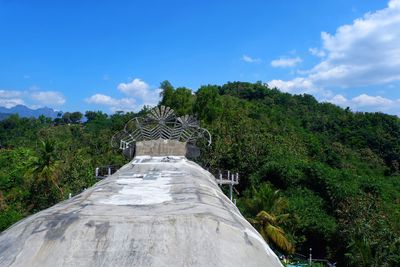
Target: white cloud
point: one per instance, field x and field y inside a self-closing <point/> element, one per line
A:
<point x="9" y="93"/>
<point x="141" y="91"/>
<point x="138" y="94"/>
<point x="124" y="104"/>
<point x="306" y="85"/>
<point x="32" y="97"/>
<point x="363" y="101"/>
<point x="363" y="53"/>
<point x="285" y="62"/>
<point x="11" y="102"/>
<point x="367" y="100"/>
<point x="250" y="59"/>
<point x="338" y="100"/>
<point x="136" y="87"/>
<point x="49" y="98"/>
<point x="394" y="4"/>
<point x="102" y="100"/>
<point x="317" y="52"/>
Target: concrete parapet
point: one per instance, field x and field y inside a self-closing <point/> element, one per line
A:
<point x="160" y="147"/>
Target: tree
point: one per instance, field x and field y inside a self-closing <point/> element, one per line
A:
<point x="366" y="226"/>
<point x="45" y="167"/>
<point x="93" y="115"/>
<point x="76" y="117"/>
<point x="182" y="101"/>
<point x="66" y="117"/>
<point x="270" y="207"/>
<point x="337" y="169"/>
<point x="267" y="225"/>
<point x="208" y="104"/>
<point x="310" y="223"/>
<point x="167" y="92"/>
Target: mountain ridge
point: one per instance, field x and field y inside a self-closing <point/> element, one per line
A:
<point x="24" y="111"/>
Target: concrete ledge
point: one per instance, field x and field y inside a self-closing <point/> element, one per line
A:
<point x="160" y="147"/>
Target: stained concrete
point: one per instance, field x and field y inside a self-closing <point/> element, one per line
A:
<point x="160" y="147"/>
<point x="154" y="211"/>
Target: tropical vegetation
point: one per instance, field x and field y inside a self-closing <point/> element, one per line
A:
<point x="313" y="175"/>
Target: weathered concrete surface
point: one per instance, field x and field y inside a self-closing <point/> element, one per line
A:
<point x="160" y="147"/>
<point x="155" y="211"/>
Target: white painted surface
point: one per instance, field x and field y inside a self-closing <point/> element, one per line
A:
<point x="260" y="240"/>
<point x="142" y="191"/>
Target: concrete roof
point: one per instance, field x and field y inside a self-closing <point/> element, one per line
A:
<point x="155" y="211"/>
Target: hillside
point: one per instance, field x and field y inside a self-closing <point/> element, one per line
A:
<point x="327" y="177"/>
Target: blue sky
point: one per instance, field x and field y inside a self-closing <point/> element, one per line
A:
<point x="112" y="55"/>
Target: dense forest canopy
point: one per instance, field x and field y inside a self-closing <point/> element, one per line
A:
<point x="313" y="175"/>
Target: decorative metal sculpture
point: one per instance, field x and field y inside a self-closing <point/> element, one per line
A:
<point x="160" y="123"/>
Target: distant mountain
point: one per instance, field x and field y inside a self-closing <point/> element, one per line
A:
<point x="24" y="111"/>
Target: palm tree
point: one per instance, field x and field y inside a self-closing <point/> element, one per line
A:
<point x="269" y="207"/>
<point x="45" y="167"/>
<point x="267" y="225"/>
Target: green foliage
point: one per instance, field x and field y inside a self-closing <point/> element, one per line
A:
<point x="166" y="93"/>
<point x="182" y="101"/>
<point x="311" y="222"/>
<point x="336" y="171"/>
<point x="208" y="104"/>
<point x="45" y="168"/>
<point x="266" y="210"/>
<point x="42" y="162"/>
<point x="8" y="217"/>
<point x="368" y="230"/>
<point x="74" y="117"/>
<point x="317" y="154"/>
<point x="264" y="197"/>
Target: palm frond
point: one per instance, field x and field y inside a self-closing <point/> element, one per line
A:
<point x="277" y="236"/>
<point x="266" y="217"/>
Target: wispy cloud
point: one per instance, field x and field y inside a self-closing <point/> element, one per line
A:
<point x="124" y="104"/>
<point x="285" y="62"/>
<point x="11" y="102"/>
<point x="316" y="52"/>
<point x="367" y="100"/>
<point x="33" y="97"/>
<point x="362" y="100"/>
<point x="137" y="92"/>
<point x="363" y="53"/>
<point x="249" y="59"/>
<point x="10" y="93"/>
<point x="372" y="103"/>
<point x="49" y="98"/>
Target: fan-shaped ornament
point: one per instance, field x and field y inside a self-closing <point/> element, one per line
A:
<point x="160" y="123"/>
